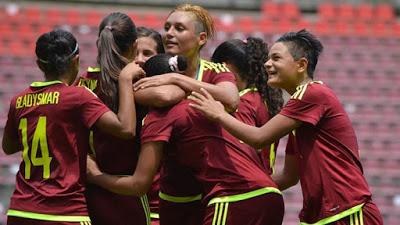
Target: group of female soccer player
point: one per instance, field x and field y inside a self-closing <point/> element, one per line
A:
<point x="193" y="145"/>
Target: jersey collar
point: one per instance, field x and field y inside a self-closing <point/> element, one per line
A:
<point x="45" y="83"/>
<point x="93" y="69"/>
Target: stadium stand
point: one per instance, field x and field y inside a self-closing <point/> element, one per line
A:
<point x="360" y="62"/>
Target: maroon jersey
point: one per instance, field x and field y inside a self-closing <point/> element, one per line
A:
<point x="114" y="156"/>
<point x="253" y="111"/>
<point x="51" y="121"/>
<point x="222" y="167"/>
<point x="208" y="72"/>
<point x="214" y="73"/>
<point x="331" y="174"/>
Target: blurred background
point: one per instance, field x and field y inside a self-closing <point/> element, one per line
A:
<point x="361" y="62"/>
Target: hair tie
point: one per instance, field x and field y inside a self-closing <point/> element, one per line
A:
<point x="108" y="27"/>
<point x="173" y="63"/>
<point x="43" y="61"/>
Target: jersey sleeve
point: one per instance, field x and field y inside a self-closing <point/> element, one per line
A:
<point x="92" y="108"/>
<point x="157" y="126"/>
<point x="224" y="77"/>
<point x="306" y="105"/>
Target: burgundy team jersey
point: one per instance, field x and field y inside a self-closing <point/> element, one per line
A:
<point x="113" y="156"/>
<point x="253" y="111"/>
<point x="331" y="174"/>
<point x="172" y="173"/>
<point x="222" y="167"/>
<point x="51" y="121"/>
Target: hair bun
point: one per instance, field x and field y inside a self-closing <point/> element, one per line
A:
<point x="165" y="63"/>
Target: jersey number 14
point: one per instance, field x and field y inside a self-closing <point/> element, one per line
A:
<point x="39" y="142"/>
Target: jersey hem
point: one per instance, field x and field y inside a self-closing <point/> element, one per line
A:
<point x="47" y="217"/>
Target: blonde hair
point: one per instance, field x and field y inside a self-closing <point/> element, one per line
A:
<point x="202" y="16"/>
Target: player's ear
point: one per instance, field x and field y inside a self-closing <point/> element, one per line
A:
<point x="302" y="65"/>
<point x="202" y="38"/>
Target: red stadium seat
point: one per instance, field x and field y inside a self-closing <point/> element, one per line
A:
<point x="267" y="26"/>
<point x="327" y="11"/>
<point x="270" y="10"/>
<point x="380" y="29"/>
<point x="360" y="28"/>
<point x="73" y="17"/>
<point x="342" y="28"/>
<point x="152" y="20"/>
<point x="365" y="12"/>
<point x="384" y="12"/>
<point x="345" y="12"/>
<point x="322" y="28"/>
<point x="290" y="10"/>
<point x="93" y="18"/>
<point x="32" y="14"/>
<point x="54" y="17"/>
<point x="247" y="24"/>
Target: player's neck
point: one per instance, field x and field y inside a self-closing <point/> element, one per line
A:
<point x="193" y="67"/>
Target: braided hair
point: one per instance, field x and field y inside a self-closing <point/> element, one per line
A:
<point x="249" y="57"/>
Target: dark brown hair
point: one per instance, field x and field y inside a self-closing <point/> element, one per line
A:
<point x="117" y="34"/>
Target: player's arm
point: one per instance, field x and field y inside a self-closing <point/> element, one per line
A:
<point x="225" y="92"/>
<point x="289" y="176"/>
<point x="161" y="96"/>
<point x="257" y="137"/>
<point x="140" y="182"/>
<point x="9" y="144"/>
<point x="123" y="124"/>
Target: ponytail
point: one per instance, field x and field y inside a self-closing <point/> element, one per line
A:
<point x="117" y="33"/>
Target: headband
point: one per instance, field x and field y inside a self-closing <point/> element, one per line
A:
<point x="69" y="56"/>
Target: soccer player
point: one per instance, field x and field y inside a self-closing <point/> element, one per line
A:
<point x="119" y="42"/>
<point x="322" y="149"/>
<point x="258" y="101"/>
<point x="148" y="44"/>
<point x="234" y="185"/>
<point x="187" y="29"/>
<point x="49" y="122"/>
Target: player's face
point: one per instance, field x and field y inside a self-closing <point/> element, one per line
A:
<point x="180" y="37"/>
<point x="281" y="67"/>
<point x="146" y="47"/>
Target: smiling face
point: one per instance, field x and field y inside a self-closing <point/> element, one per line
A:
<point x="181" y="36"/>
<point x="146" y="47"/>
<point x="282" y="68"/>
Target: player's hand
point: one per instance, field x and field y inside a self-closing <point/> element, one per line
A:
<point x="154" y="81"/>
<point x="132" y="71"/>
<point x="206" y="104"/>
<point x="92" y="170"/>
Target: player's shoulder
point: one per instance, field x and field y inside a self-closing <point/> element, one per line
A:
<point x="89" y="78"/>
<point x="311" y="91"/>
<point x="214" y="67"/>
